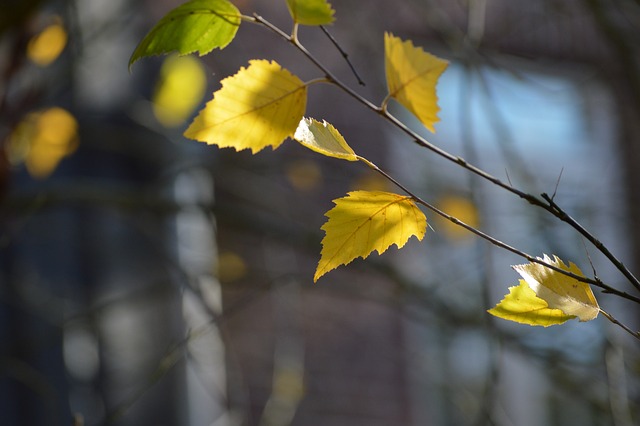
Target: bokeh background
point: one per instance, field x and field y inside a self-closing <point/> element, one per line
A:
<point x="146" y="279"/>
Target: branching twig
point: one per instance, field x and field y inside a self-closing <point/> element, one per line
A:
<point x="545" y="203"/>
<point x="344" y="55"/>
<point x="562" y="215"/>
<point x="596" y="282"/>
<point x="608" y="316"/>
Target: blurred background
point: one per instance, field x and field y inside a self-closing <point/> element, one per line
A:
<point x="147" y="279"/>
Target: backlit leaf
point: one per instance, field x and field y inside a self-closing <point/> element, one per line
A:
<point x="412" y="75"/>
<point x="366" y="221"/>
<point x="260" y="106"/>
<point x="196" y="26"/>
<point x="571" y="296"/>
<point x="523" y="306"/>
<point x="311" y="12"/>
<point x="323" y="138"/>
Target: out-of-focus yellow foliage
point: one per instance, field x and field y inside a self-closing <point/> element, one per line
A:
<point x="259" y="106"/>
<point x="45" y="47"/>
<point x="304" y="175"/>
<point x="42" y="140"/>
<point x="366" y="221"/>
<point x="461" y="208"/>
<point x="231" y="267"/>
<point x="179" y="90"/>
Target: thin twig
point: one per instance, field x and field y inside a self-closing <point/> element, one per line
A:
<point x="561" y="214"/>
<point x="596" y="282"/>
<point x="344" y="54"/>
<point x="608" y="316"/>
<point x="555" y="190"/>
<point x="545" y="204"/>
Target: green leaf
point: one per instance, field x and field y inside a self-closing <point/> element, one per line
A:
<point x="260" y="106"/>
<point x="324" y="139"/>
<point x="365" y="221"/>
<point x="412" y="76"/>
<point x="523" y="306"/>
<point x="196" y="26"/>
<point x="311" y="12"/>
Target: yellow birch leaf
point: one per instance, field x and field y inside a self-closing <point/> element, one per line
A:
<point x="311" y="12"/>
<point x="523" y="306"/>
<point x="259" y="106"/>
<point x="323" y="138"/>
<point x="366" y="221"/>
<point x="571" y="296"/>
<point x="412" y="75"/>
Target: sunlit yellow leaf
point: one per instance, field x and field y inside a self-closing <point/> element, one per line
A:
<point x="412" y="75"/>
<point x="323" y="138"/>
<point x="311" y="12"/>
<point x="260" y="106"/>
<point x="45" y="47"/>
<point x="523" y="306"/>
<point x="179" y="91"/>
<point x="571" y="296"/>
<point x="42" y="140"/>
<point x="366" y="221"/>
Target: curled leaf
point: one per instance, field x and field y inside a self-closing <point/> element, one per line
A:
<point x="260" y="106"/>
<point x="365" y="221"/>
<point x="560" y="291"/>
<point x="523" y="306"/>
<point x="324" y="139"/>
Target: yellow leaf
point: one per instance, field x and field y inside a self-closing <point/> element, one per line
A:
<point x="366" y="221"/>
<point x="323" y="138"/>
<point x="260" y="106"/>
<point x="179" y="91"/>
<point x="412" y="75"/>
<point x="523" y="306"/>
<point x="571" y="296"/>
